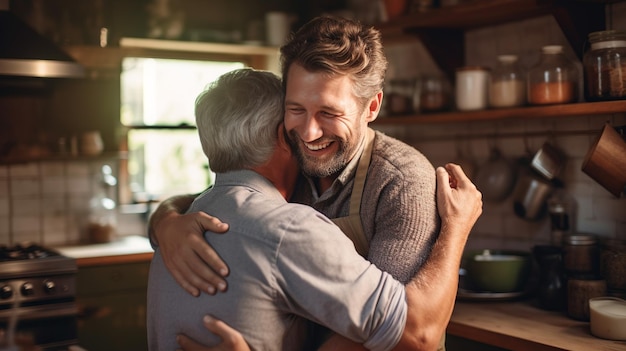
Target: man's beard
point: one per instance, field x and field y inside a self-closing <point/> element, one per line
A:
<point x="321" y="168"/>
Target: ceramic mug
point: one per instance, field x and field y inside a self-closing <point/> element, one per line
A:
<point x="91" y="143"/>
<point x="277" y="27"/>
<point x="605" y="161"/>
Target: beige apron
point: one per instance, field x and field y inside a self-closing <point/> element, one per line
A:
<point x="351" y="225"/>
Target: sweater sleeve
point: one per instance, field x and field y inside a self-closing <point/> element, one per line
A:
<point x="399" y="209"/>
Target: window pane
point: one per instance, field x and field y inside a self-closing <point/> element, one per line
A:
<point x="163" y="91"/>
<point x="162" y="163"/>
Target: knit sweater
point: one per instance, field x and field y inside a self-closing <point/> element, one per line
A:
<point x="398" y="206"/>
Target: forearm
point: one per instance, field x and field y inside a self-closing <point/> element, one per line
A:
<point x="171" y="206"/>
<point x="431" y="294"/>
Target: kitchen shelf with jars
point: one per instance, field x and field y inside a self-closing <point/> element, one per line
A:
<point x="549" y="89"/>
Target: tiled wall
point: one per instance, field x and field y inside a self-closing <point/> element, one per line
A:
<point x="47" y="202"/>
<point x="599" y="212"/>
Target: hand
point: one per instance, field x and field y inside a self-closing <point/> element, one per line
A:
<point x="232" y="340"/>
<point x="190" y="259"/>
<point x="458" y="201"/>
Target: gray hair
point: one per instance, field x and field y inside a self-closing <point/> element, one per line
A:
<point x="238" y="117"/>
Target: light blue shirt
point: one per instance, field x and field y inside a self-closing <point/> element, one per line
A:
<point x="288" y="263"/>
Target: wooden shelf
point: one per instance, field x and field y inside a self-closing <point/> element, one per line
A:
<point x="551" y="111"/>
<point x="441" y="30"/>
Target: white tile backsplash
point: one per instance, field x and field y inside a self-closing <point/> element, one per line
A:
<point x="47" y="202"/>
<point x="25" y="187"/>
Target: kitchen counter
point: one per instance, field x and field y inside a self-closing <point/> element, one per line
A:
<point x="127" y="249"/>
<point x="520" y="326"/>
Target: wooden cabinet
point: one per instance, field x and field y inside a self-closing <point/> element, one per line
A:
<point x="442" y="32"/>
<point x="112" y="306"/>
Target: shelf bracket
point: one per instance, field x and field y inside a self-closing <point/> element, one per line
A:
<point x="577" y="20"/>
<point x="447" y="47"/>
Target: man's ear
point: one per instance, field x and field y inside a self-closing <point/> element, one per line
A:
<point x="374" y="107"/>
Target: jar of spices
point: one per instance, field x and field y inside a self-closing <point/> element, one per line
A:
<point x="605" y="66"/>
<point x="507" y="85"/>
<point x="433" y="93"/>
<point x="553" y="80"/>
<point x="579" y="291"/>
<point x="613" y="264"/>
<point x="400" y="96"/>
<point x="581" y="256"/>
<point x="471" y="88"/>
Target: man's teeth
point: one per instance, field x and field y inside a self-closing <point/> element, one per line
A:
<point x="315" y="147"/>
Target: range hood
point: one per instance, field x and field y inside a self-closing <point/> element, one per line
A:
<point x="26" y="53"/>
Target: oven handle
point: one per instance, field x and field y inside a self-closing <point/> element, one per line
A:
<point x="43" y="311"/>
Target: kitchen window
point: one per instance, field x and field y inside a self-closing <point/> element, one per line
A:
<point x="165" y="156"/>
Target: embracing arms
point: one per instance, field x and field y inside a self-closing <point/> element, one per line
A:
<point x="200" y="268"/>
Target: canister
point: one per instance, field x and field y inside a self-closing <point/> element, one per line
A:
<point x="613" y="264"/>
<point x="579" y="291"/>
<point x="471" y="88"/>
<point x="581" y="255"/>
<point x="605" y="65"/>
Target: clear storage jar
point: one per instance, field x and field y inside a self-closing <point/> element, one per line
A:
<point x="605" y="66"/>
<point x="554" y="79"/>
<point x="507" y="83"/>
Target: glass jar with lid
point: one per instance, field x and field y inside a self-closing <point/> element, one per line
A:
<point x="507" y="84"/>
<point x="605" y="66"/>
<point x="581" y="255"/>
<point x="553" y="80"/>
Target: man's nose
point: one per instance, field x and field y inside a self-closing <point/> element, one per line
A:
<point x="311" y="129"/>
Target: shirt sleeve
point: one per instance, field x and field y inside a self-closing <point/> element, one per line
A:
<point x="321" y="277"/>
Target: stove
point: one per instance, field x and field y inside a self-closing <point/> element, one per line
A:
<point x="37" y="298"/>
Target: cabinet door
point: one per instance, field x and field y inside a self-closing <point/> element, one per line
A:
<point x="112" y="304"/>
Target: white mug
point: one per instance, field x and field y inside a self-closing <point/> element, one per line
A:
<point x="91" y="143"/>
<point x="277" y="27"/>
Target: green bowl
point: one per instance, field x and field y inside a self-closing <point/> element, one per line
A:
<point x="498" y="271"/>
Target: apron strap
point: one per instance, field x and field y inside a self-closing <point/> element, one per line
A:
<point x="361" y="174"/>
<point x="351" y="225"/>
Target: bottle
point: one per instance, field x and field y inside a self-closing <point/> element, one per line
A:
<point x="102" y="223"/>
<point x="562" y="208"/>
<point x="507" y="84"/>
<point x="551" y="286"/>
<point x="553" y="80"/>
<point x="605" y="66"/>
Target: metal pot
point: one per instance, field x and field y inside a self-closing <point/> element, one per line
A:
<point x="530" y="196"/>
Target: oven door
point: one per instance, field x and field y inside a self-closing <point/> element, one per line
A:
<point x="50" y="327"/>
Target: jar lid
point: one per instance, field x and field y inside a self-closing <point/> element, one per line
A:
<point x="580" y="239"/>
<point x="472" y="68"/>
<point x="552" y="49"/>
<point x="507" y="58"/>
<point x="605" y="35"/>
